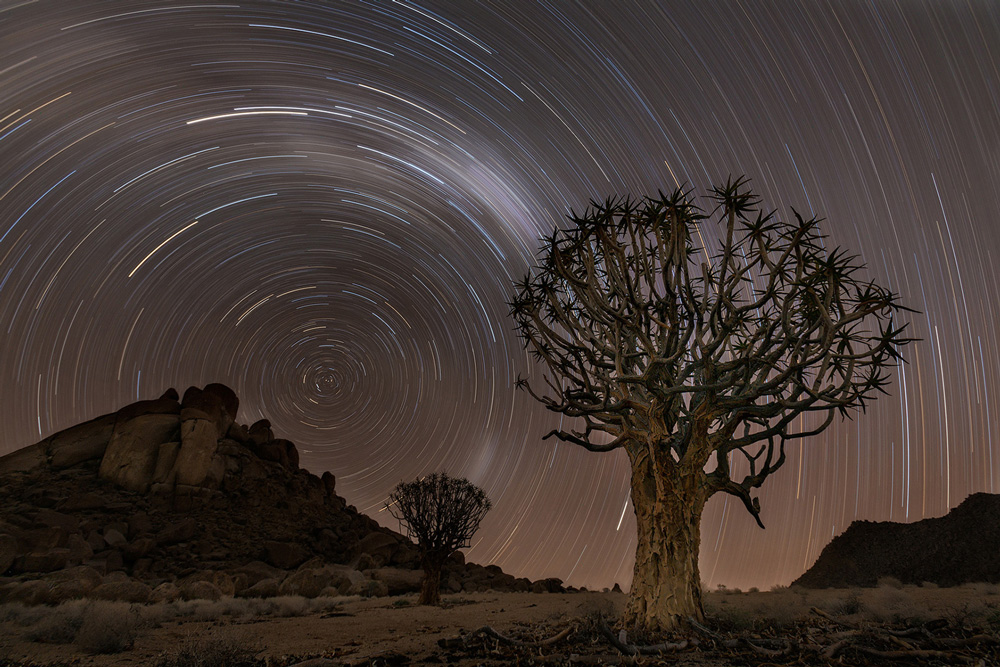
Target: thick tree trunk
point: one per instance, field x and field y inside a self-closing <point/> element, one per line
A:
<point x="430" y="588"/>
<point x="666" y="585"/>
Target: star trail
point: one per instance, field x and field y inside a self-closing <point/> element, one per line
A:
<point x="324" y="206"/>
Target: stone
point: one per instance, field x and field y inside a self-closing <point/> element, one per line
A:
<point x="85" y="501"/>
<point x="378" y="545"/>
<point x="83" y="442"/>
<point x="26" y="458"/>
<point x="285" y="555"/>
<point x="87" y="577"/>
<point x="79" y="548"/>
<point x="199" y="440"/>
<point x="122" y="591"/>
<point x="215" y="403"/>
<point x="307" y="583"/>
<point x="182" y="531"/>
<point x="42" y="561"/>
<point x="171" y="394"/>
<point x="260" y="432"/>
<point x="165" y="592"/>
<point x="238" y="433"/>
<point x="329" y="483"/>
<point x="256" y="570"/>
<point x="369" y="588"/>
<point x="200" y="590"/>
<point x="398" y="581"/>
<point x="130" y="458"/>
<point x="114" y="538"/>
<point x="166" y="458"/>
<point x="159" y="406"/>
<point x="28" y="593"/>
<point x="265" y="588"/>
<point x="139" y="524"/>
<point x="8" y="552"/>
<point x="139" y="548"/>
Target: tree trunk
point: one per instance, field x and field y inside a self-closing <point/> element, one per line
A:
<point x="666" y="585"/>
<point x="430" y="588"/>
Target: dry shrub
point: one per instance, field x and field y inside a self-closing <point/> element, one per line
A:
<point x="849" y="605"/>
<point x="223" y="649"/>
<point x="60" y="625"/>
<point x="887" y="604"/>
<point x="889" y="582"/>
<point x="108" y="627"/>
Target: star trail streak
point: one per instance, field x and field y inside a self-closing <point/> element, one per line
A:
<point x="324" y="205"/>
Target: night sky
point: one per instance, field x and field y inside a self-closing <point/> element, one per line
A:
<point x="324" y="204"/>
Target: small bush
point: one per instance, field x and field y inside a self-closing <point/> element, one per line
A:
<point x="60" y="625"/>
<point x="228" y="649"/>
<point x="849" y="605"/>
<point x="108" y="627"/>
<point x="889" y="582"/>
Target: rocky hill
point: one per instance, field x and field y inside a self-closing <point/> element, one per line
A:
<point x="174" y="497"/>
<point x="962" y="546"/>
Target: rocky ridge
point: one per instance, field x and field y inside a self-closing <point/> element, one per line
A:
<point x="173" y="498"/>
<point x="961" y="547"/>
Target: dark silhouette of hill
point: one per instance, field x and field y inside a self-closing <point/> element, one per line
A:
<point x="174" y="498"/>
<point x="962" y="546"/>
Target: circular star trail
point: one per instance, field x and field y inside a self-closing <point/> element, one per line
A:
<point x="324" y="206"/>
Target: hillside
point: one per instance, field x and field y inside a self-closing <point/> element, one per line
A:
<point x="962" y="546"/>
<point x="174" y="497"/>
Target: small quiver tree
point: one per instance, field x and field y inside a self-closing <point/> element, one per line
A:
<point x="442" y="514"/>
<point x="700" y="363"/>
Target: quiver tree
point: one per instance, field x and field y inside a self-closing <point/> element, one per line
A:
<point x="442" y="514"/>
<point x="701" y="364"/>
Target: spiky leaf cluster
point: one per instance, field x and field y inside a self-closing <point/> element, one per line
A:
<point x="441" y="513"/>
<point x="655" y="341"/>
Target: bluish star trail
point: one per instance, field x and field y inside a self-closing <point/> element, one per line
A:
<point x="324" y="205"/>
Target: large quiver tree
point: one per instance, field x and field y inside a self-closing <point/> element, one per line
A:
<point x="701" y="365"/>
<point x="442" y="514"/>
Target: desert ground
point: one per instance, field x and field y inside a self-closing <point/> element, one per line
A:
<point x="964" y="623"/>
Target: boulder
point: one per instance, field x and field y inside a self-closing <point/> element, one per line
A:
<point x="114" y="538"/>
<point x="182" y="531"/>
<point x="378" y="545"/>
<point x="159" y="406"/>
<point x="79" y="548"/>
<point x="398" y="581"/>
<point x="28" y="592"/>
<point x="8" y="552"/>
<point x="53" y="519"/>
<point x="329" y="483"/>
<point x="122" y="591"/>
<point x="285" y="555"/>
<point x="260" y="432"/>
<point x="87" y="577"/>
<point x="83" y="442"/>
<point x="216" y="403"/>
<point x="165" y="592"/>
<point x="307" y="583"/>
<point x="200" y="590"/>
<point x="42" y="561"/>
<point x="130" y="458"/>
<point x="26" y="458"/>
<point x="199" y="440"/>
<point x="166" y="458"/>
<point x="256" y="570"/>
<point x="265" y="588"/>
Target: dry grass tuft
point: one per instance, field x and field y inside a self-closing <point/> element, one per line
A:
<point x="108" y="627"/>
<point x="223" y="649"/>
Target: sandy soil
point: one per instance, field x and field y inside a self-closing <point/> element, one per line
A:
<point x="394" y="630"/>
<point x="357" y="630"/>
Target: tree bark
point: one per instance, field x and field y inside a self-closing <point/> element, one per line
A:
<point x="666" y="585"/>
<point x="430" y="588"/>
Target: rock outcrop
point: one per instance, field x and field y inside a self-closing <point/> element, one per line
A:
<point x="172" y="498"/>
<point x="960" y="547"/>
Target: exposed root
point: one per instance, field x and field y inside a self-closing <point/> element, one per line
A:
<point x="632" y="649"/>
